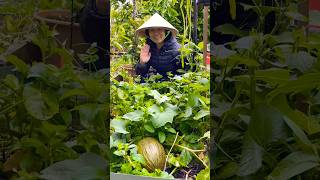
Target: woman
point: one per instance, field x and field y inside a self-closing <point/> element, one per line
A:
<point x="161" y="51"/>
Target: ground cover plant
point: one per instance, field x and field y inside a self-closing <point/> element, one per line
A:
<point x="175" y="113"/>
<point x="266" y="94"/>
<point x="170" y="117"/>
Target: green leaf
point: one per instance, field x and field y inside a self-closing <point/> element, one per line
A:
<point x="11" y="81"/>
<point x="93" y="87"/>
<point x="294" y="164"/>
<point x="230" y="29"/>
<point x="87" y="166"/>
<point x="121" y="94"/>
<point x="185" y="157"/>
<point x="149" y="128"/>
<point x="301" y="60"/>
<point x="306" y="123"/>
<point x="119" y="126"/>
<point x="46" y="72"/>
<point x="303" y="83"/>
<point x="188" y="112"/>
<point x="159" y="98"/>
<point x="228" y="170"/>
<point x="161" y="136"/>
<point x="159" y="118"/>
<point x="236" y="59"/>
<point x="296" y="16"/>
<point x="221" y="52"/>
<point x="73" y="92"/>
<point x="202" y="113"/>
<point x="134" y="116"/>
<point x="92" y="114"/>
<point x="203" y="174"/>
<point x="205" y="135"/>
<point x="66" y="116"/>
<point x="273" y="76"/>
<point x="41" y="105"/>
<point x="245" y="42"/>
<point x="266" y="125"/>
<point x="251" y="157"/>
<point x="297" y="131"/>
<point x="20" y="65"/>
<point x="171" y="130"/>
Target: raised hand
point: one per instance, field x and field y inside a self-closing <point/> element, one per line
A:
<point x="145" y="54"/>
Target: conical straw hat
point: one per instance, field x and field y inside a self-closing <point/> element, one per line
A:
<point x="156" y="21"/>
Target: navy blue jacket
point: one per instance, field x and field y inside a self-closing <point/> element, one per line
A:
<point x="167" y="59"/>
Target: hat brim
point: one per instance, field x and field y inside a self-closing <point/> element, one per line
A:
<point x="156" y="21"/>
<point x="142" y="32"/>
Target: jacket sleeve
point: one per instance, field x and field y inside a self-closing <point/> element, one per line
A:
<point x="142" y="69"/>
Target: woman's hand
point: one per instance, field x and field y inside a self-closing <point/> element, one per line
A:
<point x="145" y="54"/>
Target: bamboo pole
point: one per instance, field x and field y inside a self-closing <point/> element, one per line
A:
<point x="205" y="33"/>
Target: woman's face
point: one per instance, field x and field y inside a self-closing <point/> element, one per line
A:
<point x="157" y="35"/>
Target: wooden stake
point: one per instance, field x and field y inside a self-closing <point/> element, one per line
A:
<point x="205" y="33"/>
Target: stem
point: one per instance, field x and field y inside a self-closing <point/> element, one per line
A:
<point x="173" y="170"/>
<point x="12" y="106"/>
<point x="252" y="87"/>
<point x="193" y="152"/>
<point x="175" y="139"/>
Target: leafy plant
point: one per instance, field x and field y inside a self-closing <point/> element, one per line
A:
<point x="265" y="88"/>
<point x="174" y="112"/>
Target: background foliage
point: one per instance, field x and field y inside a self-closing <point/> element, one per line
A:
<point x="266" y="94"/>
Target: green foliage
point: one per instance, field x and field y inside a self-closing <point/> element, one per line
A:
<point x="266" y="90"/>
<point x="53" y="114"/>
<point x="160" y="110"/>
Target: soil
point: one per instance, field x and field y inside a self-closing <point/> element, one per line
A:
<point x="190" y="171"/>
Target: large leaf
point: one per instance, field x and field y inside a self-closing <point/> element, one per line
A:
<point x="87" y="166"/>
<point x="20" y="65"/>
<point x="134" y="116"/>
<point x="261" y="10"/>
<point x="304" y="122"/>
<point x="245" y="42"/>
<point x="73" y="92"/>
<point x="304" y="82"/>
<point x="42" y="105"/>
<point x="229" y="170"/>
<point x="202" y="113"/>
<point x="294" y="164"/>
<point x="251" y="157"/>
<point x="160" y="118"/>
<point x="266" y="125"/>
<point x="220" y="51"/>
<point x="119" y="126"/>
<point x="185" y="157"/>
<point x="230" y="29"/>
<point x="302" y="61"/>
<point x="296" y="16"/>
<point x="273" y="76"/>
<point x="297" y="131"/>
<point x="159" y="98"/>
<point x="92" y="114"/>
<point x="204" y="174"/>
